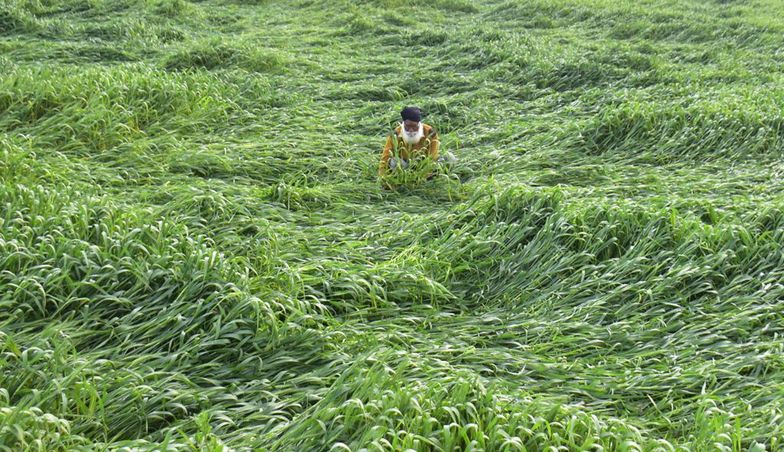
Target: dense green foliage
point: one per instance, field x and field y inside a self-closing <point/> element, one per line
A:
<point x="195" y="251"/>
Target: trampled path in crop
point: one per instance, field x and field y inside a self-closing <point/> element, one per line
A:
<point x="196" y="254"/>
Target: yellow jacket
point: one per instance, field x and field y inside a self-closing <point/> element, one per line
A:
<point x="429" y="143"/>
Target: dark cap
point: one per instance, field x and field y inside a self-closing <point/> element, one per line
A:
<point x="411" y="114"/>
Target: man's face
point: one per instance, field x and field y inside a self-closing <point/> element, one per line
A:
<point x="411" y="126"/>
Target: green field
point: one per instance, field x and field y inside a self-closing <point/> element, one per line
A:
<point x="196" y="252"/>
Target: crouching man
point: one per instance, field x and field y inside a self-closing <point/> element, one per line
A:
<point x="411" y="139"/>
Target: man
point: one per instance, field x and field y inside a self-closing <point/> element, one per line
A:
<point x="412" y="138"/>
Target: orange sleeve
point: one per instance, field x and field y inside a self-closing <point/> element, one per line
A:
<point x="382" y="167"/>
<point x="435" y="143"/>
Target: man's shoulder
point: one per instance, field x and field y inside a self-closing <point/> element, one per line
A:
<point x="429" y="130"/>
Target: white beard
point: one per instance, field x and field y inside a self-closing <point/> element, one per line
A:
<point x="411" y="138"/>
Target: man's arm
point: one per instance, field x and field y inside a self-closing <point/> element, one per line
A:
<point x="382" y="167"/>
<point x="435" y="143"/>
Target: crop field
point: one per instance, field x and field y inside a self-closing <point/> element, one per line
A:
<point x="196" y="252"/>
